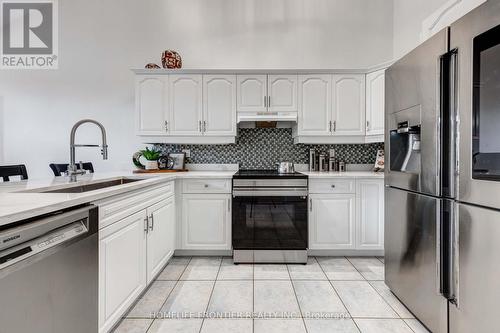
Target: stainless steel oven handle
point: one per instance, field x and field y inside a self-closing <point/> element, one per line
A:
<point x="270" y="193"/>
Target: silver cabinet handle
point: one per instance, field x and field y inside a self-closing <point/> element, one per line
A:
<point x="166" y="126"/>
<point x="269" y="101"/>
<point x="151" y="227"/>
<point x="265" y="101"/>
<point x="330" y="126"/>
<point x="334" y="125"/>
<point x="368" y="125"/>
<point x="204" y="125"/>
<point x="310" y="204"/>
<point x="333" y="186"/>
<point x="199" y="126"/>
<point x="206" y="185"/>
<point x="146" y="224"/>
<point x="229" y="205"/>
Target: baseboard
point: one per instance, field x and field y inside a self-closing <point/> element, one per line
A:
<point x="346" y="253"/>
<point x="208" y="253"/>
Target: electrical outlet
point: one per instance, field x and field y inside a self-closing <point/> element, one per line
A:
<point x="187" y="152"/>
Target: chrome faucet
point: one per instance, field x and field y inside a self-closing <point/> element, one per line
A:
<point x="72" y="167"/>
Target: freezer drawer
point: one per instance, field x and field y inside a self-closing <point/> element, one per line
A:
<point x="478" y="268"/>
<point x="412" y="255"/>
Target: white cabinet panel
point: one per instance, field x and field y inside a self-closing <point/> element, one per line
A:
<point x="219" y="105"/>
<point x="122" y="267"/>
<point x="375" y="103"/>
<point x="282" y="92"/>
<point x="206" y="221"/>
<point x="151" y="105"/>
<point x="252" y="93"/>
<point x="161" y="236"/>
<point x="349" y="104"/>
<point x="370" y="213"/>
<point x="315" y="100"/>
<point x="185" y="105"/>
<point x="331" y="221"/>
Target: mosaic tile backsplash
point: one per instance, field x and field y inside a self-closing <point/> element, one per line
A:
<point x="262" y="148"/>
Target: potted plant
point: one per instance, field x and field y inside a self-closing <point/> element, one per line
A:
<point x="152" y="156"/>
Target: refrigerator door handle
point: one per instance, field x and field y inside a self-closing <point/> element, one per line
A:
<point x="448" y="124"/>
<point x="448" y="251"/>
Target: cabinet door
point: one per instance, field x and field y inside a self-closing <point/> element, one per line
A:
<point x="206" y="221"/>
<point x="375" y="102"/>
<point x="219" y="105"/>
<point x="252" y="93"/>
<point x="161" y="236"/>
<point x="349" y="104"/>
<point x="370" y="213"/>
<point x="331" y="221"/>
<point x="315" y="100"/>
<point x="282" y="92"/>
<point x="151" y="106"/>
<point x="185" y="105"/>
<point x="122" y="267"/>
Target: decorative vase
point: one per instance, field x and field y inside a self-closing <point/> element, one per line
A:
<point x="171" y="59"/>
<point x="151" y="66"/>
<point x="151" y="165"/>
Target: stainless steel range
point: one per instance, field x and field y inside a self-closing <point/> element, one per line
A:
<point x="270" y="218"/>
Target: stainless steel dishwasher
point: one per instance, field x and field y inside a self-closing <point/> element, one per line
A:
<point x="49" y="274"/>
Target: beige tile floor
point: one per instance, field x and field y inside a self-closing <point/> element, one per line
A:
<point x="212" y="295"/>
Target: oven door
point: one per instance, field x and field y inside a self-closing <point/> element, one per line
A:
<point x="476" y="37"/>
<point x="270" y="223"/>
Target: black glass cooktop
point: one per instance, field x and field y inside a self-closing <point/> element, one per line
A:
<point x="267" y="174"/>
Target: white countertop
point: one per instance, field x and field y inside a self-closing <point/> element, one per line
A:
<point x="17" y="202"/>
<point x="347" y="174"/>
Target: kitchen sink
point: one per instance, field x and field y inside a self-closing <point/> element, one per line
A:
<point x="94" y="186"/>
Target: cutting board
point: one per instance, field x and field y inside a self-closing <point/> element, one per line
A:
<point x="158" y="171"/>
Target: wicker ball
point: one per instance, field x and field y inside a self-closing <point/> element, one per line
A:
<point x="171" y="59"/>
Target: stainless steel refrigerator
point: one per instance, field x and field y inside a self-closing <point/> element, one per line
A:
<point x="442" y="206"/>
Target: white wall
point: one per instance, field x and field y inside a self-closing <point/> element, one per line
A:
<point x="100" y="41"/>
<point x="408" y="17"/>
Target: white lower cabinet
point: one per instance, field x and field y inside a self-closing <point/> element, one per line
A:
<point x="161" y="236"/>
<point x="122" y="267"/>
<point x="346" y="217"/>
<point x="132" y="251"/>
<point x="370" y="213"/>
<point x="206" y="221"/>
<point x="331" y="219"/>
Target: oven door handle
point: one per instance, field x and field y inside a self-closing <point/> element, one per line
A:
<point x="270" y="193"/>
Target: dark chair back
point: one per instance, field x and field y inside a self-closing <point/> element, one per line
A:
<point x="7" y="171"/>
<point x="60" y="169"/>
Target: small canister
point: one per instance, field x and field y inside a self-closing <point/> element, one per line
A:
<point x="342" y="166"/>
<point x="322" y="162"/>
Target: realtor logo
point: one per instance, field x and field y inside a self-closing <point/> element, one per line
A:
<point x="29" y="34"/>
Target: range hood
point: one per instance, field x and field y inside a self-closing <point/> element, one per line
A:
<point x="267" y="116"/>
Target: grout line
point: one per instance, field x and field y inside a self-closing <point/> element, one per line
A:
<point x="340" y="298"/>
<point x="171" y="291"/>
<point x="211" y="293"/>
<point x="297" y="300"/>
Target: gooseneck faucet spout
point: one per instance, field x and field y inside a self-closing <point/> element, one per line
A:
<point x="72" y="168"/>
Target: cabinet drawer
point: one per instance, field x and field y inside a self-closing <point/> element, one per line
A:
<point x="206" y="186"/>
<point x="331" y="186"/>
<point x="120" y="206"/>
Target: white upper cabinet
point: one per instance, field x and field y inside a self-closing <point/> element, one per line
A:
<point x="185" y="105"/>
<point x="375" y="103"/>
<point x="315" y="98"/>
<point x="282" y="93"/>
<point x="151" y="104"/>
<point x="219" y="105"/>
<point x="348" y="105"/>
<point x="252" y="93"/>
<point x="370" y="213"/>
